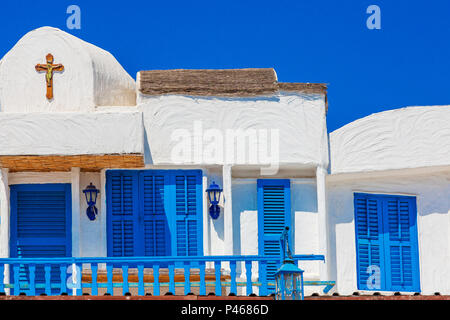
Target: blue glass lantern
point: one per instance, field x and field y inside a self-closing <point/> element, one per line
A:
<point x="91" y="193"/>
<point x="288" y="278"/>
<point x="214" y="192"/>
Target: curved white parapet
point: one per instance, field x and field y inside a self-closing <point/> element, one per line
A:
<point x="91" y="77"/>
<point x="410" y="137"/>
<point x="71" y="133"/>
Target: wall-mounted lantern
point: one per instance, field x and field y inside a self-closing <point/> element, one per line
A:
<point x="91" y="193"/>
<point x="214" y="192"/>
<point x="289" y="278"/>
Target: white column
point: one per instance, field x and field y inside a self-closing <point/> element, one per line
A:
<point x="206" y="221"/>
<point x="75" y="182"/>
<point x="4" y="213"/>
<point x="227" y="210"/>
<point x="323" y="222"/>
<point x="104" y="244"/>
<point x="4" y="221"/>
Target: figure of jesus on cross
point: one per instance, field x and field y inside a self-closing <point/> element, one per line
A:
<point x="49" y="68"/>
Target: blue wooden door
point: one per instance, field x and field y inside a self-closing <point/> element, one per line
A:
<point x="187" y="200"/>
<point x="41" y="219"/>
<point x="274" y="214"/>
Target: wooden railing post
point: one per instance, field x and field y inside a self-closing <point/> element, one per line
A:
<point x="94" y="284"/>
<point x="263" y="289"/>
<point x="125" y="288"/>
<point x="172" y="278"/>
<point x="217" y="266"/>
<point x="141" y="289"/>
<point x="156" y="291"/>
<point x="248" y="271"/>
<point x="79" y="274"/>
<point x="202" y="279"/>
<point x="109" y="277"/>
<point x="187" y="280"/>
<point x="233" y="287"/>
<point x="2" y="278"/>
<point x="16" y="279"/>
<point x="63" y="278"/>
<point x="47" y="275"/>
<point x="32" y="270"/>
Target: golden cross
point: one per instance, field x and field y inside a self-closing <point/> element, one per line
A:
<point x="49" y="68"/>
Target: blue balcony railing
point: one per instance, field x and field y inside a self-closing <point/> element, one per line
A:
<point x="220" y="275"/>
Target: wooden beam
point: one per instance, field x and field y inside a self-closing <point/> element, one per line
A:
<point x="88" y="163"/>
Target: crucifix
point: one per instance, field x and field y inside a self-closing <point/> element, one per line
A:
<point x="49" y="68"/>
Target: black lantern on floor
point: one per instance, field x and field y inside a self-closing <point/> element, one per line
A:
<point x="289" y="278"/>
<point x="214" y="192"/>
<point x="91" y="193"/>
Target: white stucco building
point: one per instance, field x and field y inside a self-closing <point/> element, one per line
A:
<point x="152" y="147"/>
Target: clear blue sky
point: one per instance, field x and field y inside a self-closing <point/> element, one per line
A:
<point x="405" y="63"/>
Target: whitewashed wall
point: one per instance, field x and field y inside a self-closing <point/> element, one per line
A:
<point x="432" y="189"/>
<point x="304" y="220"/>
<point x="300" y="120"/>
<point x="402" y="138"/>
<point x="71" y="133"/>
<point x="92" y="237"/>
<point x="216" y="240"/>
<point x="88" y="238"/>
<point x="91" y="77"/>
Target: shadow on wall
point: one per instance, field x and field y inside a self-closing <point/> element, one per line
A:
<point x="244" y="202"/>
<point x="147" y="151"/>
<point x="218" y="225"/>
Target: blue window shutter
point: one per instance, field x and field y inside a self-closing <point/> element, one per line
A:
<point x="154" y="212"/>
<point x="274" y="214"/>
<point x="188" y="212"/>
<point x="401" y="244"/>
<point x="155" y="228"/>
<point x="123" y="214"/>
<point x="41" y="219"/>
<point x="386" y="236"/>
<point x="369" y="240"/>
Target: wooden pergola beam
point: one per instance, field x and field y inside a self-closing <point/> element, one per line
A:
<point x="87" y="163"/>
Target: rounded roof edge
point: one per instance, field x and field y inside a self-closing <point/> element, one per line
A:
<point x="91" y="77"/>
<point x="410" y="137"/>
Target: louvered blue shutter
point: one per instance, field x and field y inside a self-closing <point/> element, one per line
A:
<point x="401" y="244"/>
<point x="386" y="237"/>
<point x="123" y="214"/>
<point x="155" y="228"/>
<point x="41" y="226"/>
<point x="369" y="242"/>
<point x="274" y="214"/>
<point x="188" y="212"/>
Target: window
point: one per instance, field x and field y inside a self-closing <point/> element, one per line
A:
<point x="386" y="242"/>
<point x="41" y="220"/>
<point x="274" y="214"/>
<point x="154" y="212"/>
